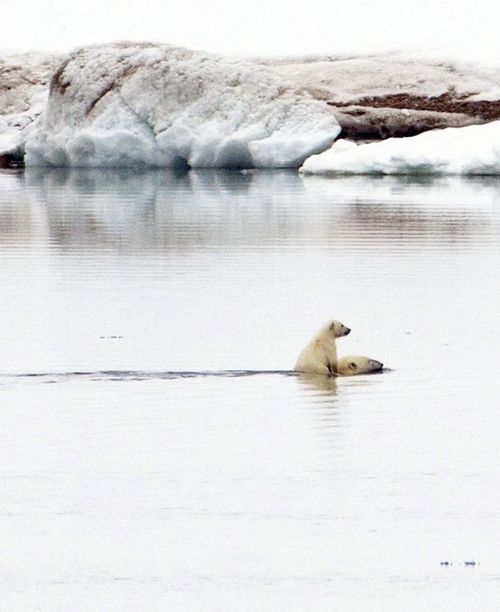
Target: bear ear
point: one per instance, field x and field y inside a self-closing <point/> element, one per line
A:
<point x="332" y="326"/>
<point x="353" y="365"/>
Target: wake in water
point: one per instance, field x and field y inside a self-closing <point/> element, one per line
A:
<point x="138" y="375"/>
<point x="126" y="375"/>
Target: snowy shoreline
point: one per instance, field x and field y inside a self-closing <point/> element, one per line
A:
<point x="132" y="104"/>
<point x="472" y="150"/>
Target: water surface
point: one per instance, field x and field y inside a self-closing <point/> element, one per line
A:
<point x="145" y="461"/>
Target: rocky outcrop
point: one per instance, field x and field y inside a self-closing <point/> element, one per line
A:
<point x="395" y="95"/>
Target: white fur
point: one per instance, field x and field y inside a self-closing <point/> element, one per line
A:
<point x="320" y="355"/>
<point x="351" y="365"/>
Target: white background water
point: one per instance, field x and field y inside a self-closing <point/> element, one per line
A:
<point x="140" y="490"/>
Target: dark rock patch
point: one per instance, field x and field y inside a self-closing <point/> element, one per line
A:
<point x="400" y="115"/>
<point x="13" y="159"/>
<point x="445" y="103"/>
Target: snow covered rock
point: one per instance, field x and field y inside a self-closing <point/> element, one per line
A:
<point x="396" y="94"/>
<point x="469" y="150"/>
<point x="349" y="79"/>
<point x="24" y="82"/>
<point x="133" y="104"/>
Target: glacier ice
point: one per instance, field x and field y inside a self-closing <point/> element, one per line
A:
<point x="139" y="104"/>
<point x="473" y="150"/>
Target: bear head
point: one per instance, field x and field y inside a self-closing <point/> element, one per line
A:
<point x="357" y="364"/>
<point x="336" y="328"/>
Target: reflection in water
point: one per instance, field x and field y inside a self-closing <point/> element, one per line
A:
<point x="160" y="210"/>
<point x="319" y="382"/>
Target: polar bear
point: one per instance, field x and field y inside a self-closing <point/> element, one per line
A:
<point x="320" y="355"/>
<point x="357" y="364"/>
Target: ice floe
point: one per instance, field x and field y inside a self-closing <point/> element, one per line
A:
<point x="137" y="104"/>
<point x="472" y="150"/>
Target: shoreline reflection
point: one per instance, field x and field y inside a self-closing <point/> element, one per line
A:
<point x="159" y="210"/>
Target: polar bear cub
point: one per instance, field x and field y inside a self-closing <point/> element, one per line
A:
<point x="357" y="364"/>
<point x="320" y="355"/>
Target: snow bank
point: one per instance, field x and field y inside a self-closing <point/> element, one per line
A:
<point x="24" y="83"/>
<point x="136" y="104"/>
<point x="469" y="150"/>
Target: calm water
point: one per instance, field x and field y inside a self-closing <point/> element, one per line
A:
<point x="125" y="486"/>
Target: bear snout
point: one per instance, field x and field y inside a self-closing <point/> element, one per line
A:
<point x="347" y="331"/>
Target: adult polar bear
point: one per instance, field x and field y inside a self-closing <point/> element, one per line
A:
<point x="357" y="364"/>
<point x="320" y="355"/>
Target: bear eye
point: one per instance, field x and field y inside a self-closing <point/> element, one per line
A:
<point x="352" y="365"/>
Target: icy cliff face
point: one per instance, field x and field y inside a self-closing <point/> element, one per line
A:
<point x="473" y="150"/>
<point x="135" y="104"/>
